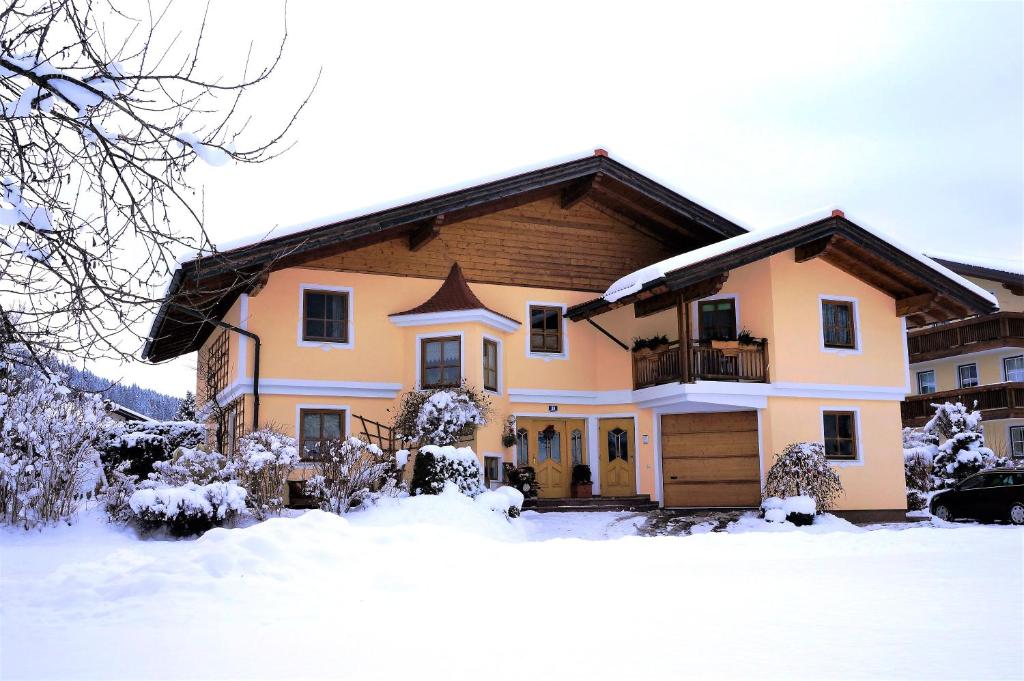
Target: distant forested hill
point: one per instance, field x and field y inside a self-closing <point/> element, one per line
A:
<point x="143" y="400"/>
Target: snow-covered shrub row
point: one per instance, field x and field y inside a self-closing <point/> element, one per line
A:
<point x="919" y="449"/>
<point x="142" y="443"/>
<point x="48" y="434"/>
<point x="442" y="416"/>
<point x="187" y="509"/>
<point x="799" y="510"/>
<point x="262" y="462"/>
<point x="436" y="466"/>
<point x="803" y="470"/>
<point x="505" y="499"/>
<point x="962" y="452"/>
<point x="188" y="465"/>
<point x="351" y="473"/>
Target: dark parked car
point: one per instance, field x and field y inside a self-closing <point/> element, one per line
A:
<point x="989" y="495"/>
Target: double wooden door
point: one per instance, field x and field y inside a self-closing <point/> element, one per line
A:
<point x="552" y="447"/>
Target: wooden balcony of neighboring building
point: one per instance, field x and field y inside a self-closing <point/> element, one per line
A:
<point x="986" y="332"/>
<point x="995" y="401"/>
<point x="705" y="363"/>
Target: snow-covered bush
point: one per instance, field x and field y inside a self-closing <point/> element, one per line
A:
<point x="523" y="478"/>
<point x="188" y="465"/>
<point x="962" y="452"/>
<point x="48" y="457"/>
<point x="803" y="470"/>
<point x="505" y="500"/>
<point x="441" y="417"/>
<point x="351" y="473"/>
<point x="437" y="466"/>
<point x="262" y="462"/>
<point x="187" y="509"/>
<point x="919" y="449"/>
<point x="798" y="510"/>
<point x="143" y="443"/>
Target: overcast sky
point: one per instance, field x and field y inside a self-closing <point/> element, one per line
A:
<point x="909" y="117"/>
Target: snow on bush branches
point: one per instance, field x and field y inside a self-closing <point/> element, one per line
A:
<point x="189" y="508"/>
<point x="803" y="470"/>
<point x="262" y="462"/>
<point x="963" y="452"/>
<point x="48" y="457"/>
<point x="441" y="417"/>
<point x="437" y="467"/>
<point x="919" y="449"/>
<point x="351" y="473"/>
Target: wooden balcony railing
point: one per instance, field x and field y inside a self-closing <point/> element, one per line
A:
<point x="1002" y="329"/>
<point x="747" y="363"/>
<point x="995" y="401"/>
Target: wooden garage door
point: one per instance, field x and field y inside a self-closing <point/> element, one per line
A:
<point x="710" y="459"/>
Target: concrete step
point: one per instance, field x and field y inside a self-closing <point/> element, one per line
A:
<point x="607" y="508"/>
<point x="639" y="502"/>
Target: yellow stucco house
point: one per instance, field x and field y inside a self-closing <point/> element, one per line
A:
<point x="533" y="288"/>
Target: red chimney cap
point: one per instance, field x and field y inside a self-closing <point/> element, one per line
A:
<point x="836" y="213"/>
<point x="600" y="152"/>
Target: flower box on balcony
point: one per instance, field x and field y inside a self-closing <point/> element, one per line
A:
<point x="729" y="348"/>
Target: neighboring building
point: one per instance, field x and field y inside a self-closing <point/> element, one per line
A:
<point x="119" y="412"/>
<point x="532" y="287"/>
<point x="978" y="359"/>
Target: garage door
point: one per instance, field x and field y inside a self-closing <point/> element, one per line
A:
<point x="710" y="459"/>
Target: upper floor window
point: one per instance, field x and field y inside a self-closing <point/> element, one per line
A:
<point x="840" y="434"/>
<point x="716" y="319"/>
<point x="441" y="360"/>
<point x="545" y="329"/>
<point x="317" y="427"/>
<point x="926" y="382"/>
<point x="325" y="316"/>
<point x="490" y="365"/>
<point x="967" y="375"/>
<point x="1017" y="442"/>
<point x="837" y="322"/>
<point x="1013" y="368"/>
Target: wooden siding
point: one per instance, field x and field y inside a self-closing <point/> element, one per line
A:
<point x="537" y="245"/>
<point x="710" y="459"/>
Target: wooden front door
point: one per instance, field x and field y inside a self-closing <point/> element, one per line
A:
<point x="617" y="451"/>
<point x="553" y="447"/>
<point x="710" y="460"/>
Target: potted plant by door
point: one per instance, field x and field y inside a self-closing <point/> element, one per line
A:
<point x="744" y="337"/>
<point x="582" y="486"/>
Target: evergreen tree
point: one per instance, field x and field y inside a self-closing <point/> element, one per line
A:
<point x="187" y="408"/>
<point x="962" y="452"/>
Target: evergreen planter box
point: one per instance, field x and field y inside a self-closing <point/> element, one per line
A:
<point x="582" y="490"/>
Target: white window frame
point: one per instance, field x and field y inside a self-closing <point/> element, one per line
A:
<point x="1006" y="376"/>
<point x="501" y="357"/>
<point x="501" y="468"/>
<point x="547" y="356"/>
<point x="843" y="463"/>
<point x="420" y="337"/>
<point x="960" y="379"/>
<point x="1009" y="439"/>
<point x="858" y="337"/>
<point x="695" y="312"/>
<point x="298" y="423"/>
<point x="935" y="384"/>
<point x="327" y="345"/>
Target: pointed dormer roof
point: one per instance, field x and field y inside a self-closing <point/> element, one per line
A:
<point x="452" y="303"/>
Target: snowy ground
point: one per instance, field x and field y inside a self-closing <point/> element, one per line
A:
<point x="439" y="589"/>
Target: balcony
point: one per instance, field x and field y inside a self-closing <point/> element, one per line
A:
<point x="1002" y="329"/>
<point x="747" y="364"/>
<point x="995" y="401"/>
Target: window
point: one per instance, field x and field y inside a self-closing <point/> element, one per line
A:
<point x="576" y="446"/>
<point x="1017" y="442"/>
<point x="545" y="329"/>
<point x="492" y="470"/>
<point x="618" y="444"/>
<point x="716" y="319"/>
<point x="837" y="324"/>
<point x="977" y="482"/>
<point x="926" y="382"/>
<point x="1013" y="368"/>
<point x="490" y="365"/>
<point x="441" y="360"/>
<point x="522" y="447"/>
<point x="968" y="375"/>
<point x="549" y="445"/>
<point x="840" y="430"/>
<point x="318" y="427"/>
<point x="325" y="316"/>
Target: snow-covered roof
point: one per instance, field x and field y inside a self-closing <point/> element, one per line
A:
<point x="635" y="281"/>
<point x="1008" y="265"/>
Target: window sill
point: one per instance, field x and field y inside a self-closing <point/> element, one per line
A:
<point x="326" y="345"/>
<point x="845" y="463"/>
<point x="547" y="356"/>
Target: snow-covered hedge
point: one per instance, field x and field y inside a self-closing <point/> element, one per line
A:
<point x="443" y="416"/>
<point x="48" y="458"/>
<point x="506" y="500"/>
<point x="262" y="462"/>
<point x="919" y="449"/>
<point x="189" y="465"/>
<point x="799" y="510"/>
<point x="803" y="470"/>
<point x="143" y="443"/>
<point x="187" y="509"/>
<point x="352" y="473"/>
<point x="437" y="466"/>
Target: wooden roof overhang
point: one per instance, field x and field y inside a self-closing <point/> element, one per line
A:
<point x="204" y="289"/>
<point x="923" y="294"/>
<point x="1011" y="281"/>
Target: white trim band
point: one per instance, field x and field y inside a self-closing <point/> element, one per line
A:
<point x="479" y="315"/>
